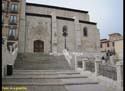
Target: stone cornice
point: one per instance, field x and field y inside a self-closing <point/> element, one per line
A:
<point x="60" y="17"/>
<point x="55" y="7"/>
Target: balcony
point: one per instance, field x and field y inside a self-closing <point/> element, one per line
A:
<point x="13" y="11"/>
<point x="12" y="23"/>
<point x="12" y="38"/>
<point x="15" y="0"/>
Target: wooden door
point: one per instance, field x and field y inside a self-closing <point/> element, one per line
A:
<point x="38" y="46"/>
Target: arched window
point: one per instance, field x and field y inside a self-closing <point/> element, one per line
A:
<point x="85" y="31"/>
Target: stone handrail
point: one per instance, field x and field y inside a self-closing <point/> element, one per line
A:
<point x="67" y="56"/>
<point x="116" y="76"/>
<point x="114" y="72"/>
<point x="8" y="56"/>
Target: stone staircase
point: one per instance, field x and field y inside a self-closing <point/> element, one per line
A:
<point x="43" y="80"/>
<point x="38" y="73"/>
<point x="38" y="61"/>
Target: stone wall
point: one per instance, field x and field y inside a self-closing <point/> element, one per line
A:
<point x="46" y="24"/>
<point x="38" y="28"/>
<point x="62" y="13"/>
<point x="8" y="57"/>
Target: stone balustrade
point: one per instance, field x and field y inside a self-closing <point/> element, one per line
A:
<point x="97" y="68"/>
<point x="67" y="56"/>
<point x="8" y="56"/>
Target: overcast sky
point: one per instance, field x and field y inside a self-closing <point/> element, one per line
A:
<point x="107" y="13"/>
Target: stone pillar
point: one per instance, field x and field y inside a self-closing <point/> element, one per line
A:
<point x="97" y="61"/>
<point x="75" y="61"/>
<point x="54" y="33"/>
<point x="78" y="34"/>
<point x="5" y="41"/>
<point x="22" y="35"/>
<point x="119" y="66"/>
<point x="84" y="63"/>
<point x="112" y="61"/>
<point x="98" y="40"/>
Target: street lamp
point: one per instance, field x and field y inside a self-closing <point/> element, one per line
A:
<point x="65" y="34"/>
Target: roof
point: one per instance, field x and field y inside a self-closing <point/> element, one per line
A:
<point x="114" y="34"/>
<point x="103" y="39"/>
<point x="56" y="7"/>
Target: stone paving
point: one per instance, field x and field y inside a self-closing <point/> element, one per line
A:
<point x="39" y="88"/>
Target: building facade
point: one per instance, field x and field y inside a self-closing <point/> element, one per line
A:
<point x="10" y="19"/>
<point x="44" y="28"/>
<point x="119" y="48"/>
<point x="113" y="45"/>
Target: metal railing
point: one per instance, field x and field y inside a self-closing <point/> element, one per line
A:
<point x="90" y="66"/>
<point x="108" y="71"/>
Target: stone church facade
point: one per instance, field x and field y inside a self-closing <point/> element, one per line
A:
<point x="42" y="27"/>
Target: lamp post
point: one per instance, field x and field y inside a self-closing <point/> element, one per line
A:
<point x="65" y="34"/>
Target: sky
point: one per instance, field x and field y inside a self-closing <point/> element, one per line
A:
<point x="108" y="14"/>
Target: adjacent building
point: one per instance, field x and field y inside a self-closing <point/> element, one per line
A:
<point x="119" y="48"/>
<point x="10" y="19"/>
<point x="113" y="45"/>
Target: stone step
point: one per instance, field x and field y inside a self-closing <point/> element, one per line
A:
<point x="38" y="61"/>
<point x="45" y="72"/>
<point x="35" y="80"/>
<point x="46" y="76"/>
<point x="37" y="88"/>
<point x="47" y="84"/>
<point x="30" y="80"/>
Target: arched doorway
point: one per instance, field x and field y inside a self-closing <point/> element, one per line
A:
<point x="38" y="46"/>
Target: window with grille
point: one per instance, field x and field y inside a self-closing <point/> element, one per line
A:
<point x="12" y="34"/>
<point x="13" y="19"/>
<point x="14" y="7"/>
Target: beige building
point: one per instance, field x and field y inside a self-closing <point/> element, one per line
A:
<point x="113" y="45"/>
<point x="10" y="20"/>
<point x="119" y="48"/>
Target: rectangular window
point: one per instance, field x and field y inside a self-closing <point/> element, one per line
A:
<point x="113" y="44"/>
<point x="13" y="19"/>
<point x="108" y="44"/>
<point x="2" y="19"/>
<point x="14" y="8"/>
<point x="12" y="34"/>
<point x="101" y="45"/>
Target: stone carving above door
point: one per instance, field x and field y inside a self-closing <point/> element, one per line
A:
<point x="40" y="30"/>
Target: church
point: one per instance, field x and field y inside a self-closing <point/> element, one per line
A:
<point x="51" y="29"/>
